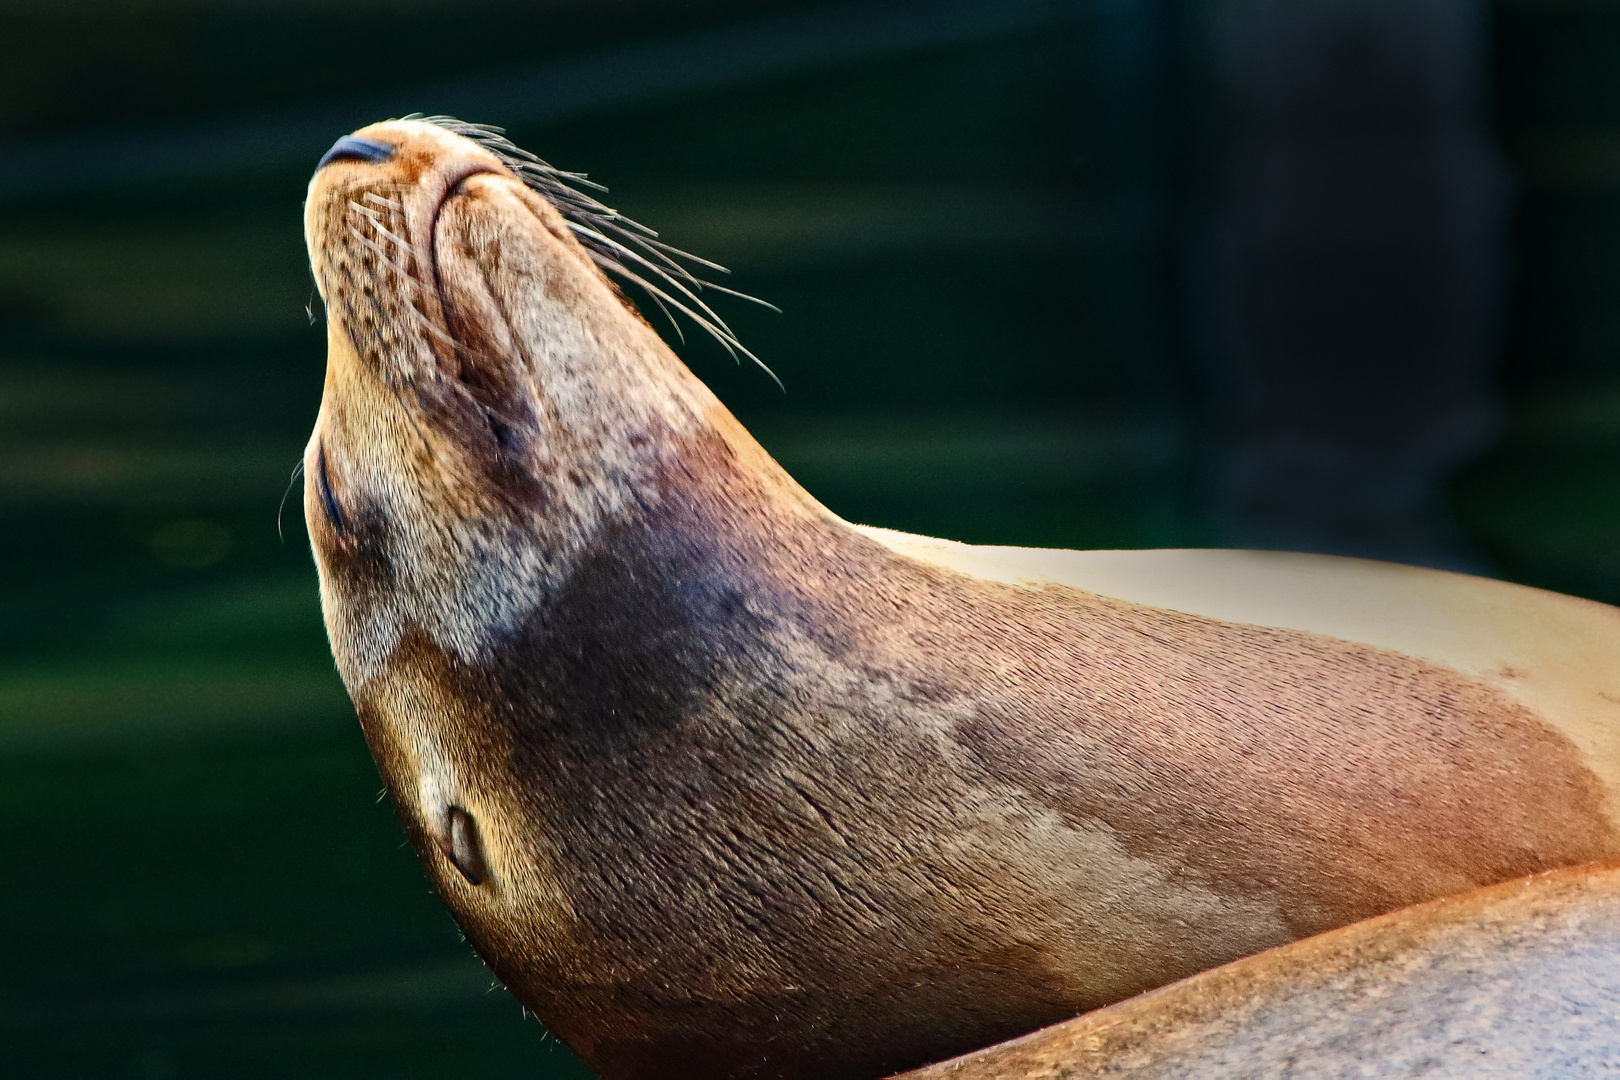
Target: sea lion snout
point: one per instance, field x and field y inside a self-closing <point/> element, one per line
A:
<point x="443" y="272"/>
<point x="370" y="218"/>
<point x="465" y="446"/>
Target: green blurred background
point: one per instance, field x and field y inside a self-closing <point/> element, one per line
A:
<point x="976" y="227"/>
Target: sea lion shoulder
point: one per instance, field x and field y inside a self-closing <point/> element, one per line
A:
<point x="1557" y="655"/>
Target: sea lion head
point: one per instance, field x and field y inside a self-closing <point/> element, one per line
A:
<point x="494" y="409"/>
<point x="490" y="396"/>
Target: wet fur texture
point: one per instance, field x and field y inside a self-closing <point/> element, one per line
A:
<point x="761" y="797"/>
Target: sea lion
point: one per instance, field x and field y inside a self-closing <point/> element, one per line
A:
<point x="1510" y="981"/>
<point x="721" y="785"/>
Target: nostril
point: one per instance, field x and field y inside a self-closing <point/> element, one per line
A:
<point x="354" y="148"/>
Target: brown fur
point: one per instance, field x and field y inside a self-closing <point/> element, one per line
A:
<point x="759" y="795"/>
<point x="1510" y="981"/>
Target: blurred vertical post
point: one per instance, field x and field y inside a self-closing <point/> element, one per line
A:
<point x="1346" y="297"/>
<point x="1134" y="60"/>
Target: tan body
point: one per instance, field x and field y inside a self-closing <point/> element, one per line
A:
<point x="721" y="785"/>
<point x="1512" y="981"/>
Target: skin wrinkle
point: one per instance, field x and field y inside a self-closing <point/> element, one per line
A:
<point x="760" y="795"/>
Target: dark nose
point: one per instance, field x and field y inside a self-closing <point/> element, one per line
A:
<point x="354" y="148"/>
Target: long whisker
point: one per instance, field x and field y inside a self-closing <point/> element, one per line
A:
<point x="717" y="330"/>
<point x="298" y="470"/>
<point x="616" y="243"/>
<point x="399" y="240"/>
<point x="377" y="249"/>
<point x="677" y="282"/>
<point x="714" y="324"/>
<point x="409" y="284"/>
<point x="651" y="241"/>
<point x="427" y="324"/>
<point x="742" y="296"/>
<point x="376" y="223"/>
<point x="673" y="324"/>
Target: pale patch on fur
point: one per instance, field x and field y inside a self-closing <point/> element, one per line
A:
<point x="1145" y="911"/>
<point x="407" y="717"/>
<point x="466" y="579"/>
<point x="1121" y="922"/>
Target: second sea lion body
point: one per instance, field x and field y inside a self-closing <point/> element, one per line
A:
<point x="1506" y="982"/>
<point x="721" y="785"/>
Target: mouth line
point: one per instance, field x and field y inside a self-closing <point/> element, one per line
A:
<point x="467" y="352"/>
<point x="453" y="187"/>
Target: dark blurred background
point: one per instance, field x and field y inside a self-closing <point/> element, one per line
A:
<point x="1330" y="275"/>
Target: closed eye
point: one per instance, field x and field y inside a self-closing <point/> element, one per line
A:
<point x="323" y="485"/>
